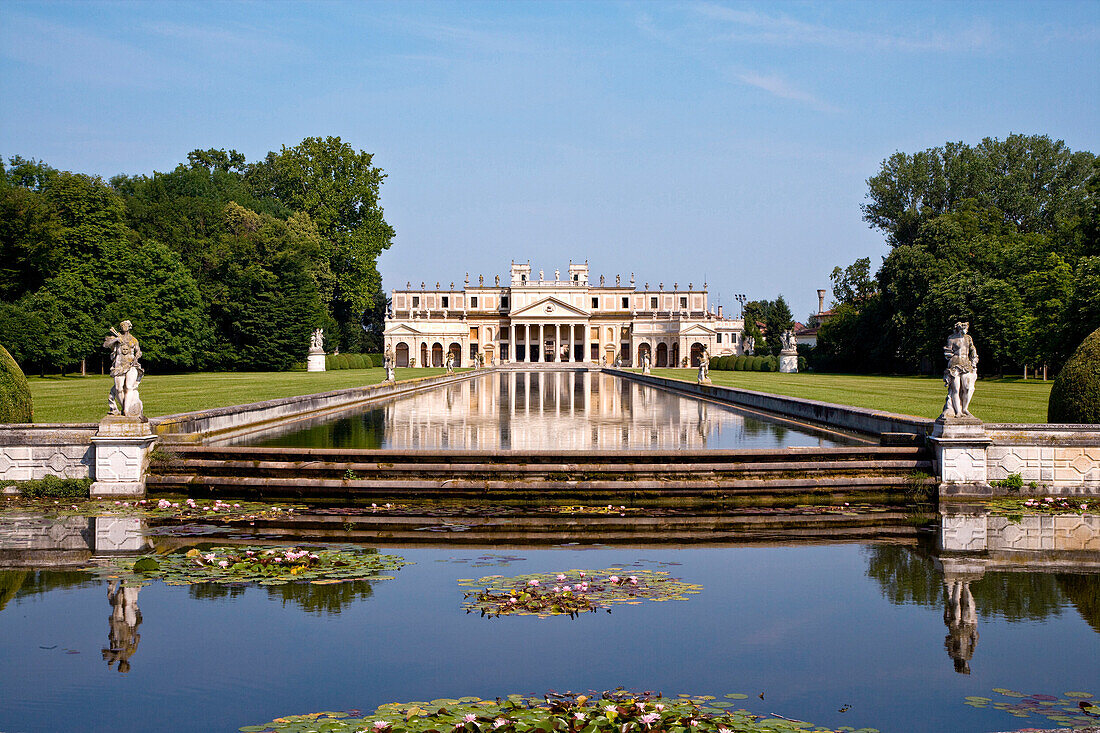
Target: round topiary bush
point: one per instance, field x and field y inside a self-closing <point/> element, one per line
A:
<point x="358" y="361"/>
<point x="757" y="363"/>
<point x="1075" y="396"/>
<point x="369" y="362"/>
<point x="770" y="364"/>
<point x="739" y="363"/>
<point x="15" y="394"/>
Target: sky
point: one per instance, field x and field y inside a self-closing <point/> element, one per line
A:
<point x="726" y="143"/>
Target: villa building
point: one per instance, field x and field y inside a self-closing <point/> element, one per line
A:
<point x="561" y="320"/>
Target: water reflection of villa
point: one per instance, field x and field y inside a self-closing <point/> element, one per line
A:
<point x="560" y="410"/>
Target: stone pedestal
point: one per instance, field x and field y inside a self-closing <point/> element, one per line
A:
<point x="960" y="444"/>
<point x="315" y="361"/>
<point x="788" y="361"/>
<point x="122" y="446"/>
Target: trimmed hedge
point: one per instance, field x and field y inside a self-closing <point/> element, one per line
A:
<point x="55" y="487"/>
<point x="15" y="395"/>
<point x="349" y="361"/>
<point x="1075" y="396"/>
<point x="739" y="363"/>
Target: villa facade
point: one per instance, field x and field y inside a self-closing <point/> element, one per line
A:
<point x="566" y="319"/>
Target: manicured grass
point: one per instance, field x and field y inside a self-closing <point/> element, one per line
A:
<point x="84" y="399"/>
<point x="995" y="400"/>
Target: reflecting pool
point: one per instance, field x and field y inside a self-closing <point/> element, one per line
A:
<point x="908" y="635"/>
<point x="537" y="410"/>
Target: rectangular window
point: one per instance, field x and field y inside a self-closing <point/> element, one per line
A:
<point x="683" y="303"/>
<point x="595" y="302"/>
<point x="595" y="333"/>
<point x="473" y="301"/>
<point x="504" y="301"/>
<point x="416" y="301"/>
<point x="446" y="302"/>
<point x="719" y="338"/>
<point x="653" y="303"/>
<point x="473" y="333"/>
<point x="626" y="303"/>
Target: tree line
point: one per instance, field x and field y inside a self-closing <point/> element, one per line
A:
<point x="220" y="263"/>
<point x="1004" y="234"/>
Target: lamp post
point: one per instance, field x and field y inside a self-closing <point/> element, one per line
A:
<point x="740" y="298"/>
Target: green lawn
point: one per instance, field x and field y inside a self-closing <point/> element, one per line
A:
<point x="84" y="399"/>
<point x="995" y="400"/>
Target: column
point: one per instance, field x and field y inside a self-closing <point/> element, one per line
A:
<point x="569" y="340"/>
<point x="527" y="342"/>
<point x="541" y="338"/>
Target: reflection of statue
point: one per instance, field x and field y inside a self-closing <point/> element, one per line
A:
<point x="122" y="636"/>
<point x="962" y="624"/>
<point x="645" y="362"/>
<point x="704" y="366"/>
<point x="389" y="362"/>
<point x="961" y="372"/>
<point x="126" y="370"/>
<point x="450" y="363"/>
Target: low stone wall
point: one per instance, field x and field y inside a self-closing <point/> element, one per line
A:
<point x="845" y="417"/>
<point x="32" y="451"/>
<point x="1064" y="459"/>
<point x="224" y="423"/>
<point x="981" y="532"/>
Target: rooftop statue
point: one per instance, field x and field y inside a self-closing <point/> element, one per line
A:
<point x="961" y="373"/>
<point x="127" y="372"/>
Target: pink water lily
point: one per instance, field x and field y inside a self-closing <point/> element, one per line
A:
<point x="561" y="576"/>
<point x="613" y="579"/>
<point x="650" y="718"/>
<point x="533" y="582"/>
<point x="500" y="722"/>
<point x="469" y="717"/>
<point x="381" y="725"/>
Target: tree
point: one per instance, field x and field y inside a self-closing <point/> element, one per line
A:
<point x="338" y="188"/>
<point x="778" y="318"/>
<point x="853" y="284"/>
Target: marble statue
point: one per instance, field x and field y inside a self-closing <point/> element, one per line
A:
<point x="127" y="372"/>
<point x="788" y="340"/>
<point x="480" y="280"/>
<point x="704" y="366"/>
<point x="750" y="344"/>
<point x="540" y="275"/>
<point x="618" y="361"/>
<point x="618" y="279"/>
<point x="317" y="340"/>
<point x="961" y="373"/>
<point x="390" y="362"/>
<point x="645" y="363"/>
<point x="498" y="280"/>
<point x="450" y="363"/>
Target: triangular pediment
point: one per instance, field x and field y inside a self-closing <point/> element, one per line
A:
<point x="698" y="329"/>
<point x="549" y="307"/>
<point x="402" y="330"/>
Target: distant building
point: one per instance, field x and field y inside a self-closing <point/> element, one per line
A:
<point x="808" y="334"/>
<point x="560" y="320"/>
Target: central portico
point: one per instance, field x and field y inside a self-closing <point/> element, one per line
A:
<point x="539" y="319"/>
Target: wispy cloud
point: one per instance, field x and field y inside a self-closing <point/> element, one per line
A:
<point x="243" y="41"/>
<point x="752" y="26"/>
<point x="778" y="86"/>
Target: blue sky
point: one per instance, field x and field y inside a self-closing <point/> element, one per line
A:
<point x="729" y="142"/>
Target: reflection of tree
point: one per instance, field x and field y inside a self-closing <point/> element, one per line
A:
<point x="1083" y="592"/>
<point x="1018" y="596"/>
<point x="15" y="583"/>
<point x="363" y="430"/>
<point x="326" y="598"/>
<point x="905" y="575"/>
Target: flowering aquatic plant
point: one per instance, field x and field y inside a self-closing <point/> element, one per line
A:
<point x="262" y="565"/>
<point x="618" y="711"/>
<point x="570" y="592"/>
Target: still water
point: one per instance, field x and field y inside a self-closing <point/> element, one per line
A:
<point x="563" y="410"/>
<point x="895" y="635"/>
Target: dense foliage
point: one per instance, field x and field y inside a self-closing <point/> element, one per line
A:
<point x="220" y="264"/>
<point x="15" y="395"/>
<point x="1075" y="397"/>
<point x="1004" y="234"/>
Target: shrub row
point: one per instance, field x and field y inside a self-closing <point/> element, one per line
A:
<point x="55" y="487"/>
<point x="15" y="395"/>
<point x="745" y="363"/>
<point x="351" y="361"/>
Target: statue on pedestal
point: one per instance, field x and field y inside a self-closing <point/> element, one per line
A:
<point x="961" y="373"/>
<point x="127" y="372"/>
<point x="389" y="362"/>
<point x="317" y="340"/>
<point x="450" y="363"/>
<point x="704" y="366"/>
<point x="645" y="362"/>
<point x="787" y="337"/>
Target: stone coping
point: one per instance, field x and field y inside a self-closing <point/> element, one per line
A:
<point x="847" y="417"/>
